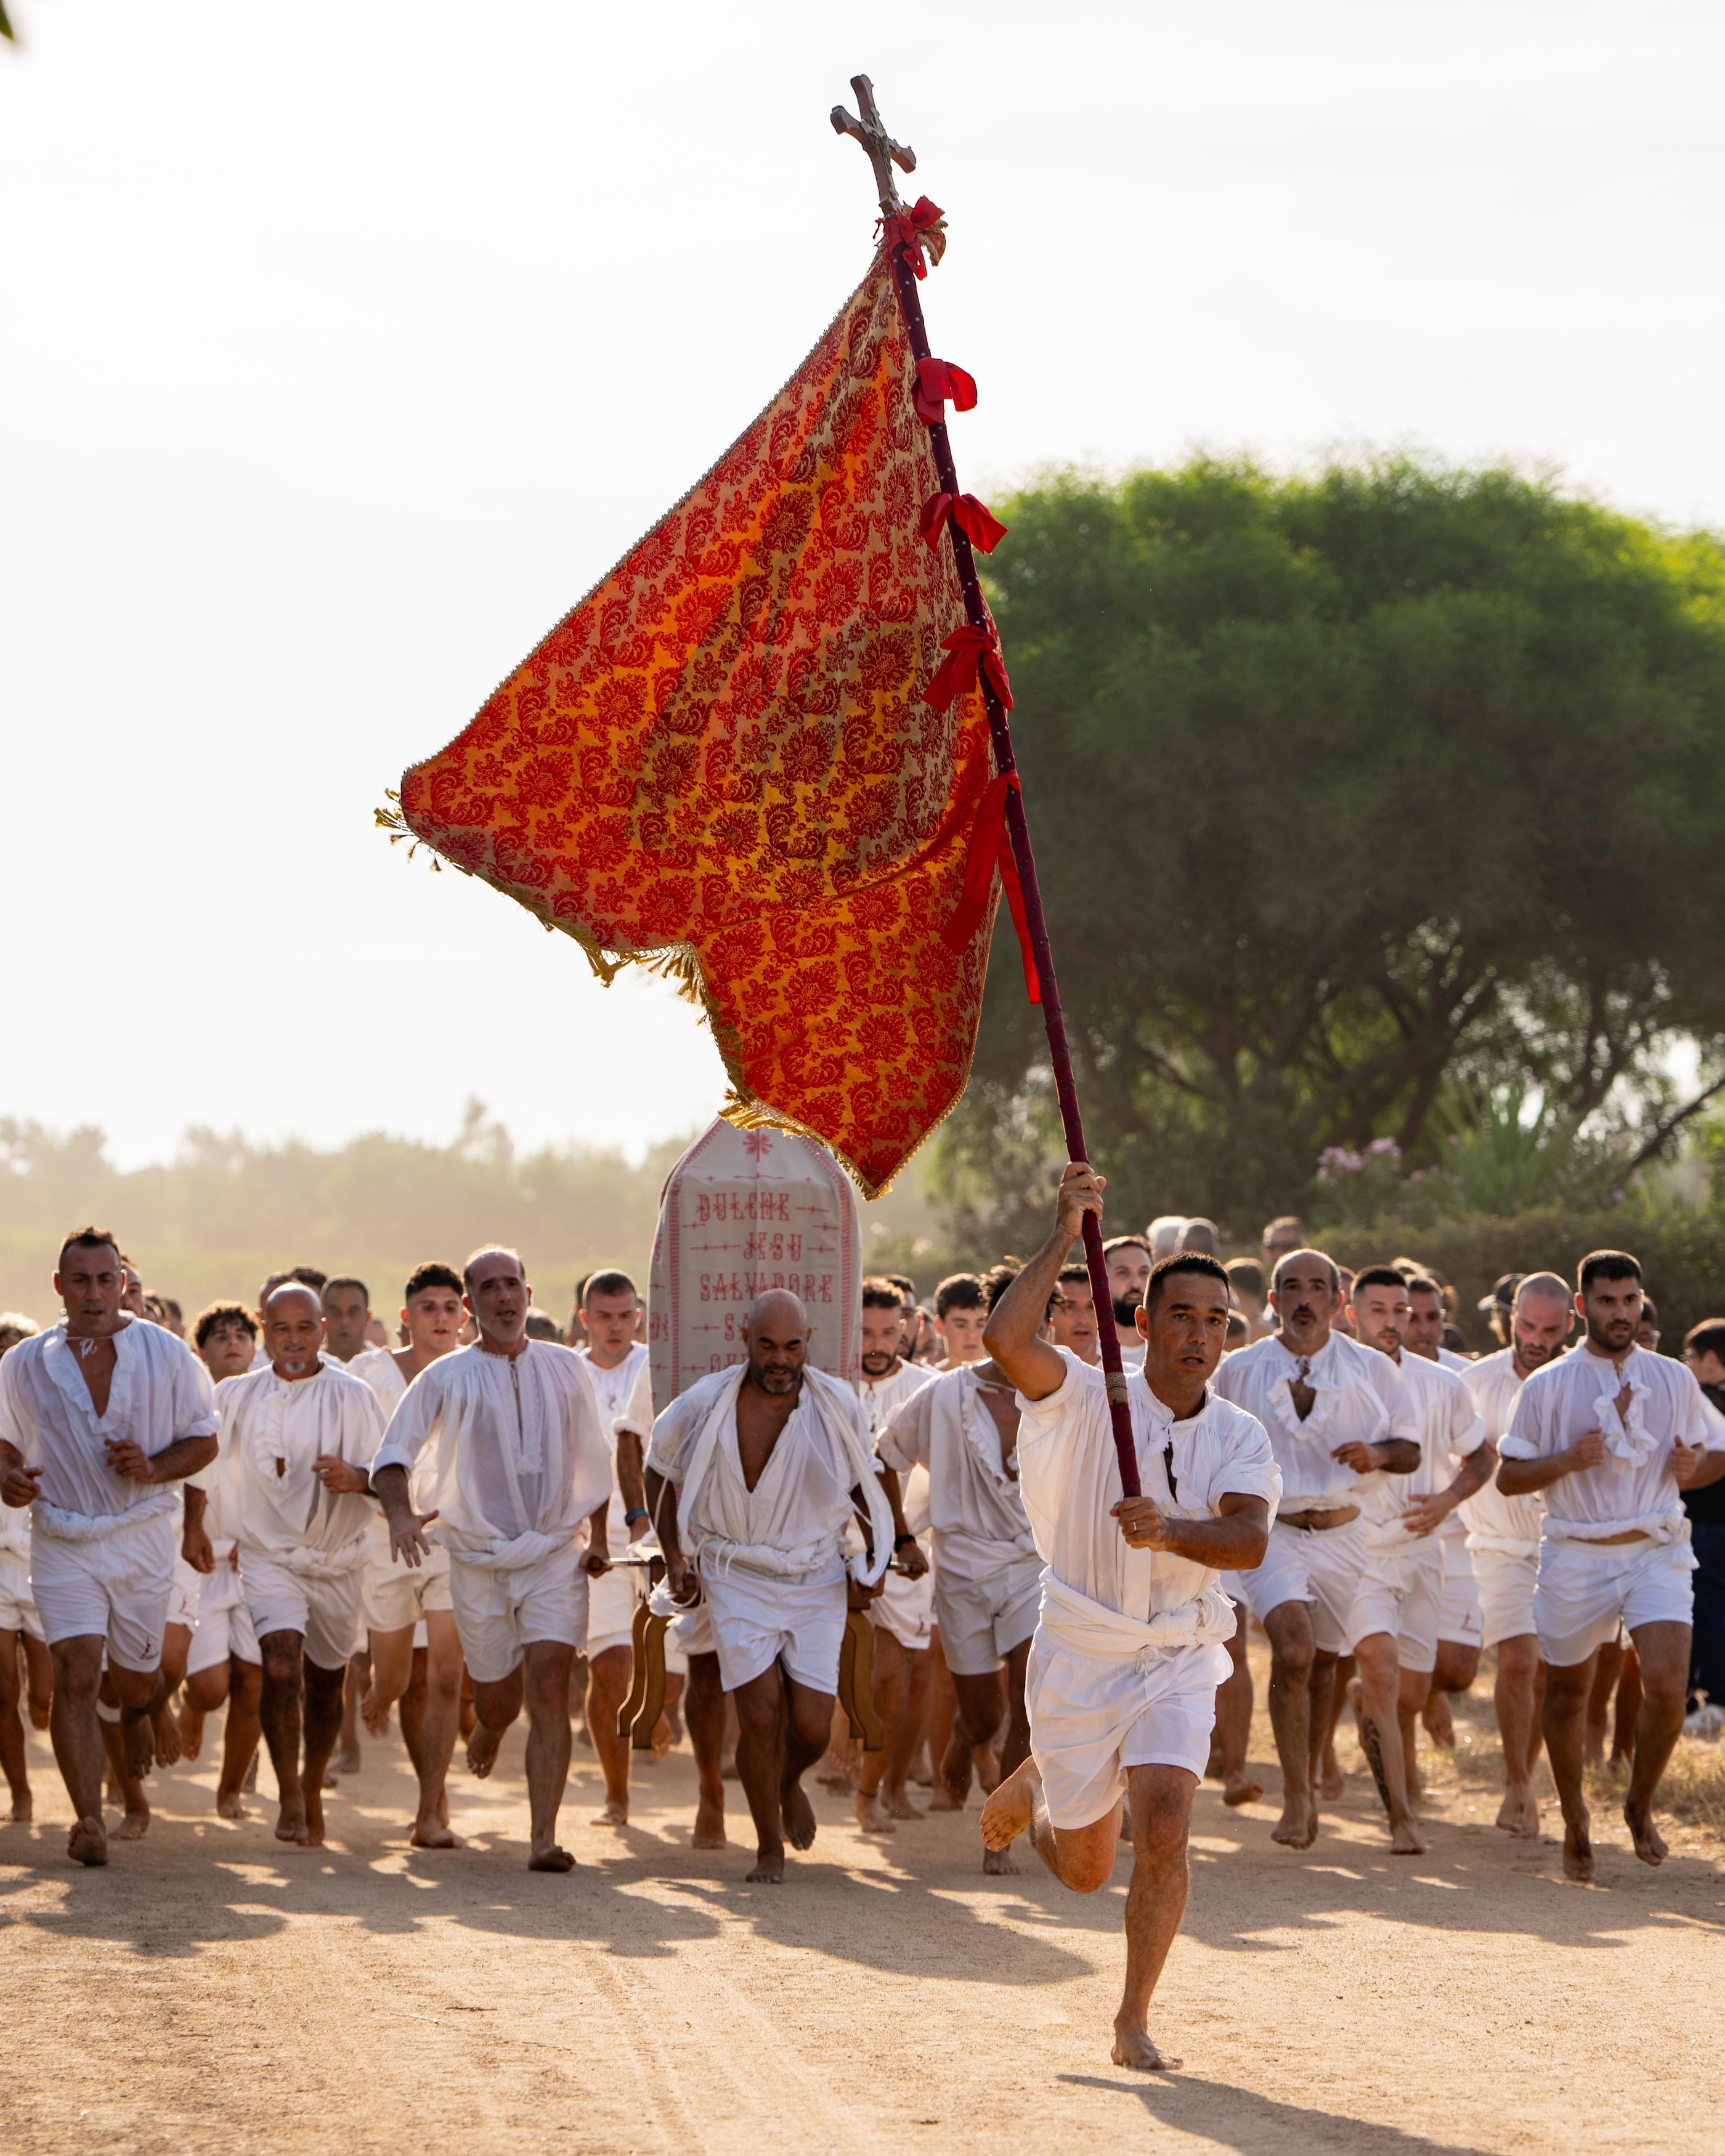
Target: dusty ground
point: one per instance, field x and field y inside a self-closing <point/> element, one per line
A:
<point x="212" y="1991"/>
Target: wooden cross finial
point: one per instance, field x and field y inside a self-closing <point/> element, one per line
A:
<point x="883" y="153"/>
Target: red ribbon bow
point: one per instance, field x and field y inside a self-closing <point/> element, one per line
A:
<point x="936" y="380"/>
<point x="990" y="849"/>
<point x="923" y="223"/>
<point x="974" y="519"/>
<point x="969" y="652"/>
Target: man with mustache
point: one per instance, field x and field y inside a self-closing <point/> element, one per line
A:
<point x="1337" y="1415"/>
<point x="1612" y="1436"/>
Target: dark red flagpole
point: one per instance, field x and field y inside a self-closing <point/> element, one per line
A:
<point x="883" y="153"/>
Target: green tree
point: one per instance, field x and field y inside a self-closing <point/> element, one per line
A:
<point x="1353" y="795"/>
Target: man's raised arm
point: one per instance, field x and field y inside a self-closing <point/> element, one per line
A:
<point x="1010" y="1335"/>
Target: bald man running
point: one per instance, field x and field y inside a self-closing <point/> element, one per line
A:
<point x="753" y="1476"/>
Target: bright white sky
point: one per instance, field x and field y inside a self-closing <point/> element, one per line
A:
<point x="342" y="348"/>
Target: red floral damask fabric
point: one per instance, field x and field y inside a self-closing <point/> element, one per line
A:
<point x="722" y="753"/>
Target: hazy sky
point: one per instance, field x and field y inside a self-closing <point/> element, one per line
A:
<point x="342" y="349"/>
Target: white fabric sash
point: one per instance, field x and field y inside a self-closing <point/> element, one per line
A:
<point x="1510" y="1545"/>
<point x="830" y="1401"/>
<point x="1090" y="1628"/>
<point x="306" y="1562"/>
<point x="65" y="1527"/>
<point x="1655" y="1527"/>
<point x="501" y="1553"/>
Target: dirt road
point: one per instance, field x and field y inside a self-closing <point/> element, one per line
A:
<point x="213" y="1991"/>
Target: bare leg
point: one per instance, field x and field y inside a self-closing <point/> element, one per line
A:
<point x="911" y="1736"/>
<point x="436" y="1731"/>
<point x="391" y="1662"/>
<point x="13" y="1759"/>
<point x="1015" y="1746"/>
<point x="943" y="1710"/>
<point x="608" y="1676"/>
<point x="1514" y="1695"/>
<point x="176" y="1645"/>
<point x="1414" y="1695"/>
<point x="346" y="1756"/>
<point x="495" y="1707"/>
<point x="980" y="1710"/>
<point x="783" y="1727"/>
<point x="1608" y="1667"/>
<point x="1458" y="1664"/>
<point x="38" y="1666"/>
<point x="1159" y="1804"/>
<point x="1625" y="1723"/>
<point x="1331" y="1683"/>
<point x="1234" y="1721"/>
<point x="78" y="1742"/>
<point x="413" y="1709"/>
<point x="1663" y="1652"/>
<point x="891" y="1693"/>
<point x="1563" y="1718"/>
<point x="547" y="1667"/>
<point x="1293" y="1660"/>
<point x="129" y="1743"/>
<point x="281" y="1712"/>
<point x="704" y="1709"/>
<point x="241" y="1737"/>
<point x="324" y="1691"/>
<point x="1381" y="1736"/>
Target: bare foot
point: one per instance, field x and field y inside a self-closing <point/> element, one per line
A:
<point x="1000" y="1864"/>
<point x="1650" y="1843"/>
<point x="1008" y="1812"/>
<point x="375" y="1716"/>
<point x="1578" y="1855"/>
<point x="1132" y="2047"/>
<point x="613" y="1812"/>
<point x="190" y="1731"/>
<point x="1519" y="1815"/>
<point x="291" y="1825"/>
<point x="346" y="1761"/>
<point x="168" y="1747"/>
<point x="135" y="1824"/>
<point x="709" y="1827"/>
<point x="88" y="1842"/>
<point x="1405" y="1839"/>
<point x="769" y="1867"/>
<point x="24" y="1808"/>
<point x="836" y="1778"/>
<point x="314" y="1812"/>
<point x="138" y="1743"/>
<point x="954" y="1779"/>
<point x="1237" y="1791"/>
<point x="798" y="1816"/>
<point x="987" y="1768"/>
<point x="871" y="1817"/>
<point x="1298" y="1827"/>
<point x="1331" y="1782"/>
<point x="434" y="1833"/>
<point x="1439" y="1721"/>
<point x="549" y="1858"/>
<point x="940" y="1801"/>
<point x="482" y="1749"/>
<point x="663" y="1739"/>
<point x="899" y="1805"/>
<point x="231" y="1805"/>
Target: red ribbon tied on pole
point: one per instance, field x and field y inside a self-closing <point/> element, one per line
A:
<point x="970" y="652"/>
<point x="937" y="381"/>
<point x="990" y="849"/>
<point x="974" y="519"/>
<point x="924" y="224"/>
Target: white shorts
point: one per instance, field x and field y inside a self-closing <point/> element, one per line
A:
<point x="905" y="1609"/>
<point x="18" y="1605"/>
<point x="1585" y="1590"/>
<point x="982" y="1621"/>
<point x="117" y="1587"/>
<point x="1460" y="1613"/>
<point x="690" y="1634"/>
<point x="1398" y="1594"/>
<point x="757" y="1621"/>
<point x="1091" y="1720"/>
<point x="324" y="1610"/>
<point x="224" y="1624"/>
<point x="612" y="1600"/>
<point x="188" y="1595"/>
<point x="1320" y="1565"/>
<point x="1505" y="1579"/>
<point x="394" y="1595"/>
<point x="500" y="1614"/>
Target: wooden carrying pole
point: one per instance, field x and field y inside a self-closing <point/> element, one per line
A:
<point x="883" y="154"/>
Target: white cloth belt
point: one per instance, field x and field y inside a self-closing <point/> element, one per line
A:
<point x="1657" y="1526"/>
<point x="766" y="1557"/>
<point x="498" y="1553"/>
<point x="306" y="1562"/>
<point x="1090" y="1628"/>
<point x="1510" y="1545"/>
<point x="66" y="1527"/>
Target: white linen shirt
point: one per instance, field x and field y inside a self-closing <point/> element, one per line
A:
<point x="1450" y="1428"/>
<point x="1361" y="1400"/>
<point x="1071" y="1479"/>
<point x="381" y="1371"/>
<point x="160" y="1393"/>
<point x="975" y="1507"/>
<point x="263" y="1492"/>
<point x="613" y="1391"/>
<point x="1493" y="1521"/>
<point x="882" y="1397"/>
<point x="1633" y="1486"/>
<point x="515" y="1446"/>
